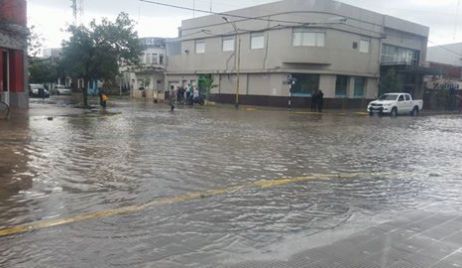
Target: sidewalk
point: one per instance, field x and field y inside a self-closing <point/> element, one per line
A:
<point x="420" y="240"/>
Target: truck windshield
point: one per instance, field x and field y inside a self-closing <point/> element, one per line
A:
<point x="389" y="97"/>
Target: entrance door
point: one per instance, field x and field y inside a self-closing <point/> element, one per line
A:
<point x="5" y="76"/>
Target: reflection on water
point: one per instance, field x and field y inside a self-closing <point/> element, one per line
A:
<point x="84" y="163"/>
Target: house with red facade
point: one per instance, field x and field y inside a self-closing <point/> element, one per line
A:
<point x="13" y="53"/>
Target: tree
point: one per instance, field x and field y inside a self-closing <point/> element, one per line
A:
<point x="42" y="70"/>
<point x="206" y="84"/>
<point x="34" y="42"/>
<point x="97" y="52"/>
<point x="390" y="82"/>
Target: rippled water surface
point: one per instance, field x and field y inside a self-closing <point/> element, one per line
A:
<point x="80" y="163"/>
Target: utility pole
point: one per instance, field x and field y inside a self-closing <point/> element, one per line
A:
<point x="237" y="48"/>
<point x="74" y="10"/>
<point x="78" y="10"/>
<point x="194" y="8"/>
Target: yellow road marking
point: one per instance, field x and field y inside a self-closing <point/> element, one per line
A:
<point x="261" y="184"/>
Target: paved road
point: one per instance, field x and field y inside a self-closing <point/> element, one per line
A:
<point x="139" y="186"/>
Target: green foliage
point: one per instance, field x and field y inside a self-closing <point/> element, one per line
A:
<point x="42" y="71"/>
<point x="206" y="84"/>
<point x="391" y="82"/>
<point x="97" y="52"/>
<point x="34" y="42"/>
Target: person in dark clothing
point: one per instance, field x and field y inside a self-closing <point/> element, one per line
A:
<point x="172" y="98"/>
<point x="314" y="101"/>
<point x="459" y="97"/>
<point x="180" y="95"/>
<point x="320" y="101"/>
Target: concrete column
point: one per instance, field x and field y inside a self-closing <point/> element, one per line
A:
<point x="327" y="85"/>
<point x="351" y="88"/>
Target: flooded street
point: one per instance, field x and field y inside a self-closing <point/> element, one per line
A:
<point x="366" y="170"/>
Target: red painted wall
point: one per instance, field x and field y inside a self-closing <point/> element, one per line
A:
<point x="448" y="71"/>
<point x="14" y="11"/>
<point x="16" y="71"/>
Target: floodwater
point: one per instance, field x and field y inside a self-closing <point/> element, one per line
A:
<point x="88" y="162"/>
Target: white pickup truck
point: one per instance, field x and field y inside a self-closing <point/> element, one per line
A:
<point x="395" y="104"/>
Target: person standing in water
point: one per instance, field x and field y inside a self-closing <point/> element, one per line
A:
<point x="172" y="98"/>
<point x="103" y="100"/>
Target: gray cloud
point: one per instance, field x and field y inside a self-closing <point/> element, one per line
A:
<point x="440" y="15"/>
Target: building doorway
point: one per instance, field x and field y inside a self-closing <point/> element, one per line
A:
<point x="5" y="76"/>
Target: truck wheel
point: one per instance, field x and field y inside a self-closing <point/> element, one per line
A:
<point x="415" y="111"/>
<point x="394" y="112"/>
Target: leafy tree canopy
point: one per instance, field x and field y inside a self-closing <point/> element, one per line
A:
<point x="97" y="52"/>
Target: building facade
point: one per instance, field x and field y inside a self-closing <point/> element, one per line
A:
<point x="13" y="53"/>
<point x="450" y="54"/>
<point x="287" y="50"/>
<point x="446" y="60"/>
<point x="148" y="79"/>
<point x="443" y="86"/>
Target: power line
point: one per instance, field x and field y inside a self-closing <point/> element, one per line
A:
<point x="456" y="23"/>
<point x="220" y="13"/>
<point x="294" y="23"/>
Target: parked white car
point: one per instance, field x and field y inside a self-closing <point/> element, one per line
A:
<point x="62" y="90"/>
<point x="38" y="91"/>
<point x="395" y="104"/>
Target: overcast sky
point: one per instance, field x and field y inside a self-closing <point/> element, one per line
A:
<point x="50" y="17"/>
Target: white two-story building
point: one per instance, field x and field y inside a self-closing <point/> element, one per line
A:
<point x="148" y="80"/>
<point x="290" y="49"/>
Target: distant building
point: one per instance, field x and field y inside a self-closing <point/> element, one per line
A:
<point x="296" y="47"/>
<point x="446" y="60"/>
<point x="445" y="83"/>
<point x="148" y="79"/>
<point x="450" y="54"/>
<point x="52" y="53"/>
<point x="13" y="53"/>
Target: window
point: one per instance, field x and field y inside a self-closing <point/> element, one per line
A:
<point x="408" y="98"/>
<point x="364" y="46"/>
<point x="161" y="59"/>
<point x="154" y="58"/>
<point x="401" y="98"/>
<point x="302" y="37"/>
<point x="228" y="43"/>
<point x="399" y="55"/>
<point x="257" y="41"/>
<point x="200" y="47"/>
<point x="341" y="86"/>
<point x="360" y="87"/>
<point x="305" y="84"/>
<point x="143" y="58"/>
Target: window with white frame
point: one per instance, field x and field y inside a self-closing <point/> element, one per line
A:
<point x="364" y="46"/>
<point x="200" y="47"/>
<point x="257" y="40"/>
<point x="307" y="38"/>
<point x="228" y="43"/>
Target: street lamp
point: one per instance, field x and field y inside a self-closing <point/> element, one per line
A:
<point x="237" y="46"/>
